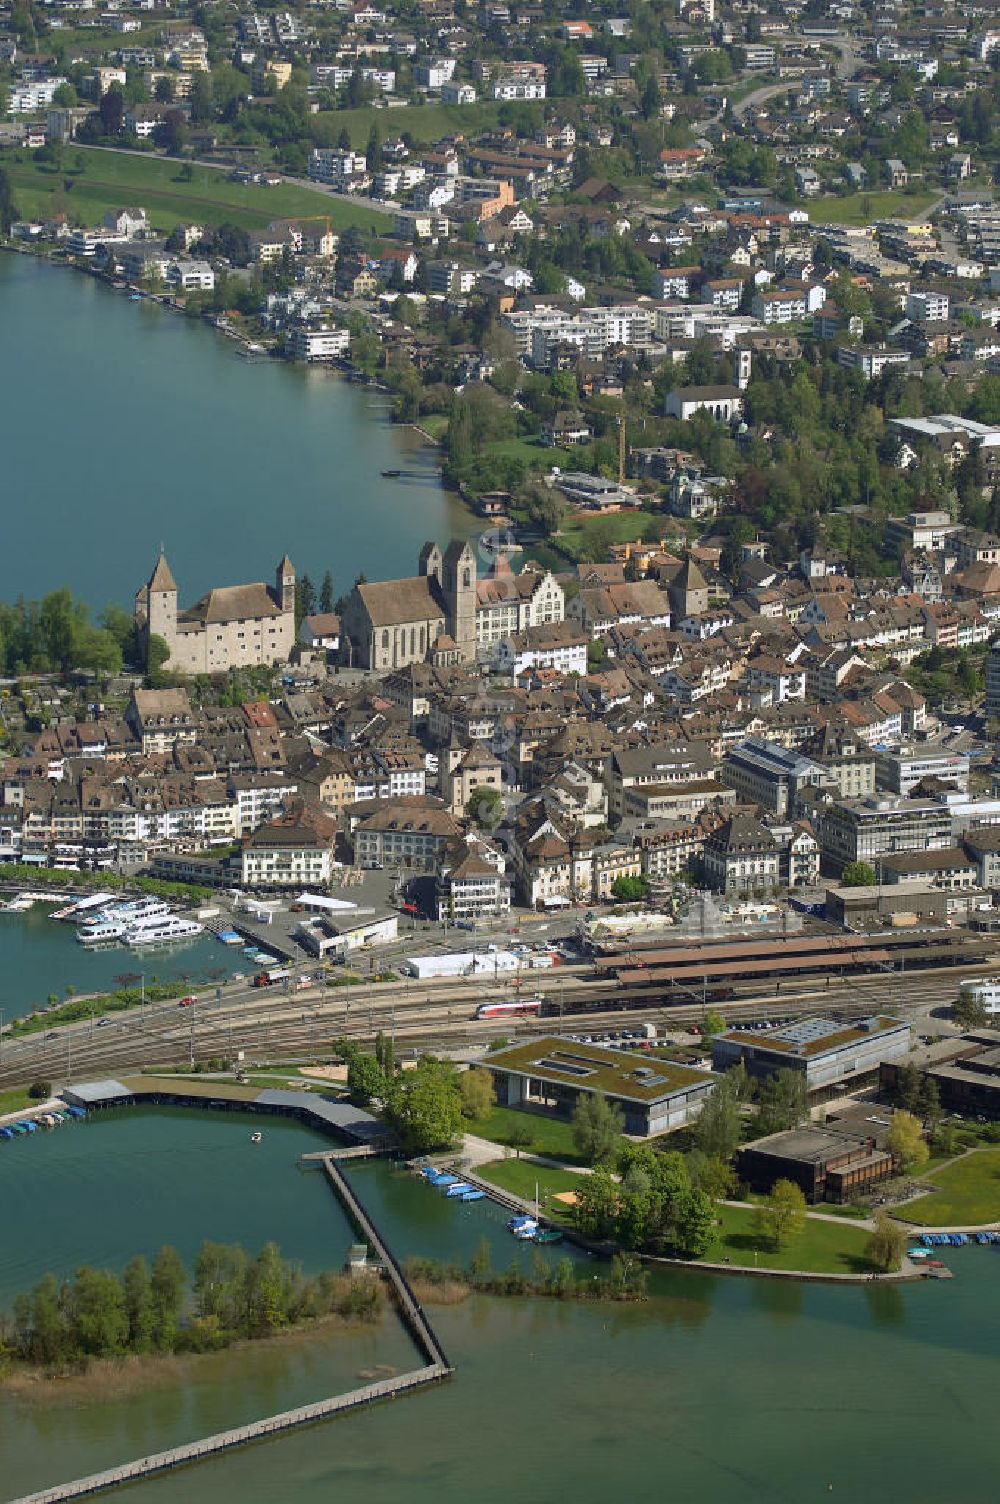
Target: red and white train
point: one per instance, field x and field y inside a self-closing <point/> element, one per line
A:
<point x="518" y="1007"/>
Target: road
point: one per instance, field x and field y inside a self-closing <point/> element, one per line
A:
<point x="850" y="55"/>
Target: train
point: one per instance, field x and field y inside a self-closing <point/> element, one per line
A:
<point x="519" y="1007"/>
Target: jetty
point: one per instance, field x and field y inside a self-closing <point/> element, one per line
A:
<point x="370" y="1139"/>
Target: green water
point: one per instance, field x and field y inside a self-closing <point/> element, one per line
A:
<point x="39" y="955"/>
<point x="123" y="425"/>
<point x="717" y="1391"/>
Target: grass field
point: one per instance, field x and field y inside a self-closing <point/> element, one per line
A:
<point x="968" y="1193"/>
<point x="108" y="179"/>
<point x="549" y="1136"/>
<point x="14" y="1100"/>
<point x="520" y="1176"/>
<point x="576" y="532"/>
<point x="424" y="122"/>
<point x="823" y="1248"/>
<point x="535" y="455"/>
<point x="865" y="208"/>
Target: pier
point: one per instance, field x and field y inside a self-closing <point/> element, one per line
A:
<point x="322" y="1115"/>
<point x="224" y="1441"/>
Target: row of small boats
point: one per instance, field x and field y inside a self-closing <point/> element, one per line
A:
<point x="42" y="1120"/>
<point x="452" y="1186"/>
<point x="956" y="1239"/>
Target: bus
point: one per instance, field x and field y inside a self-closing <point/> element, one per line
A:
<point x="519" y="1007"/>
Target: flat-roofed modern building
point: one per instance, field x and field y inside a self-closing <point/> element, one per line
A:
<point x="965" y="1068"/>
<point x="824" y="1051"/>
<point x="772" y="775"/>
<point x="550" y="1074"/>
<point x="827" y="1164"/>
<point x="900" y="769"/>
<point x="862" y="830"/>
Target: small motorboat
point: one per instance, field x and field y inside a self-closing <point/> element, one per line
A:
<point x="256" y="1137"/>
<point x="391" y="474"/>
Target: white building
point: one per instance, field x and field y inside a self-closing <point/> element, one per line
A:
<point x="318" y="344"/>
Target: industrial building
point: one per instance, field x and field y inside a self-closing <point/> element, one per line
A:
<point x="550" y="1074"/>
<point x="826" y="1052"/>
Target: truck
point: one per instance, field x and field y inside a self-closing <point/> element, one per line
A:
<point x="268" y="978"/>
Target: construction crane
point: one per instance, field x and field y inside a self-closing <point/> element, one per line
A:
<point x="311" y="219"/>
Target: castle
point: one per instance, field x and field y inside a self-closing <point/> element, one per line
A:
<point x="233" y="626"/>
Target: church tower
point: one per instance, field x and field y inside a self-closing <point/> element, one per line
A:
<point x="459" y="586"/>
<point x="430" y="562"/>
<point x="284" y="585"/>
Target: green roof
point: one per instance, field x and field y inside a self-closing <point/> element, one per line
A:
<point x="631" y="1074"/>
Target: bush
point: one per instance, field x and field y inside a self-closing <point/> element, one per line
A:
<point x="40" y="1091"/>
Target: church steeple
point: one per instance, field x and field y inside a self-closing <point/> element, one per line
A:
<point x="284" y="580"/>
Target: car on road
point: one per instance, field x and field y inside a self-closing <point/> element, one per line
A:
<point x="102" y="1023"/>
<point x="187" y="1002"/>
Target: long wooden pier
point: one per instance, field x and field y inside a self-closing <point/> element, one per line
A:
<point x="435" y="1368"/>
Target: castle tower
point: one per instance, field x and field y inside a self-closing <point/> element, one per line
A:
<point x="742" y="362"/>
<point x="284" y="585"/>
<point x="459" y="586"/>
<point x="431" y="562"/>
<point x="161" y="602"/>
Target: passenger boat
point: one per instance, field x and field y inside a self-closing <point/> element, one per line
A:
<point x="161" y="929"/>
<point x="102" y="932"/>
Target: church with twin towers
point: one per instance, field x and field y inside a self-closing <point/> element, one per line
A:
<point x="431" y="616"/>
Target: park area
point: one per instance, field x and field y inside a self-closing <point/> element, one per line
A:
<point x="530" y="1133"/>
<point x="966" y="1194"/>
<point x="821" y="1248"/>
<point x="523" y="1177"/>
<point x="92" y="180"/>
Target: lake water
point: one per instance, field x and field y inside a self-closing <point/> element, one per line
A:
<point x="40" y="955"/>
<point x="717" y="1391"/>
<point x="123" y="426"/>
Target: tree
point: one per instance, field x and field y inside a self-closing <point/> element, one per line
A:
<point x="713" y="1022"/>
<point x="969" y="1010"/>
<point x="484" y="807"/>
<point x="40" y="1091"/>
<point x="596" y="1207"/>
<point x="629" y="889"/>
<point x="266" y="1290"/>
<point x="365" y="1079"/>
<point x="164" y="91"/>
<point x="858" y="875"/>
<point x="907" y="1092"/>
<point x="98" y="1321"/>
<point x="112" y="112"/>
<point x="157" y="653"/>
<point x="137" y="1288"/>
<point x="717" y="1128"/>
<point x="597" y="1127"/>
<point x="166" y="1296"/>
<point x="694" y="1225"/>
<point x="478" y="1095"/>
<point x="326" y="593"/>
<point x="906" y="1139"/>
<point x="425" y="1105"/>
<point x="373" y="151"/>
<point x="8" y="210"/>
<point x="887" y="1244"/>
<point x="385" y="1054"/>
<point x="781" y="1102"/>
<point x="781" y="1216"/>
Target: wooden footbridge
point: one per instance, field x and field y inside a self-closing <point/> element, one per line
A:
<point x="435" y="1368"/>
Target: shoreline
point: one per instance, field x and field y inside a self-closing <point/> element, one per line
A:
<point x="245" y="347"/>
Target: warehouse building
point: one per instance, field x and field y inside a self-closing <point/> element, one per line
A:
<point x="550" y="1075"/>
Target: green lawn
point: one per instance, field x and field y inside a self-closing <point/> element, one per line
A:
<point x="969" y="1193"/>
<point x="535" y="455"/>
<point x="865" y="208"/>
<point x="425" y="122"/>
<point x="14" y="1100"/>
<point x="551" y="1136"/>
<point x="520" y="1177"/>
<point x="109" y="179"/>
<point x="576" y="533"/>
<point x="823" y="1248"/>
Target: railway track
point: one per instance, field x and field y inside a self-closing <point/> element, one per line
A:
<point x="264" y="1026"/>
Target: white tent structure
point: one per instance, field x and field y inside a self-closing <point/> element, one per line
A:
<point x="318" y="901"/>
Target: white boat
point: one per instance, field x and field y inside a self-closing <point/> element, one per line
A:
<point x="255" y="1138"/>
<point x="132" y="912"/>
<point x="158" y="930"/>
<point x="104" y="933"/>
